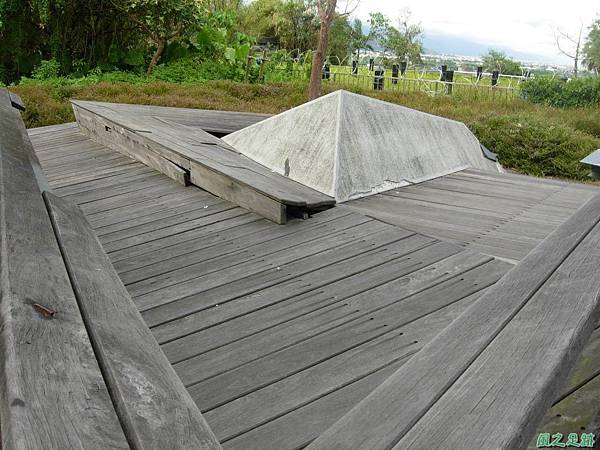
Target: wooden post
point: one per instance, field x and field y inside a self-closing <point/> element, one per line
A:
<point x="371" y="64"/>
<point x="403" y="67"/>
<point x="449" y="79"/>
<point x="495" y="76"/>
<point x="395" y="70"/>
<point x="261" y="72"/>
<point x="354" y="67"/>
<point x="443" y="75"/>
<point x="378" y="79"/>
<point x="248" y="63"/>
<point x="479" y="73"/>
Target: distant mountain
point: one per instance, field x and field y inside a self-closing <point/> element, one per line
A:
<point x="442" y="43"/>
<point x="449" y="44"/>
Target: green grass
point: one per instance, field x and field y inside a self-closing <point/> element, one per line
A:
<point x="531" y="138"/>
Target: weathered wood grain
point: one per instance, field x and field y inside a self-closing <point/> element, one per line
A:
<point x="389" y="414"/>
<point x="125" y="141"/>
<point x="52" y="393"/>
<point x="153" y="405"/>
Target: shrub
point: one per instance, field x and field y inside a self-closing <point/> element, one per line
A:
<point x="46" y="70"/>
<point x="561" y="93"/>
<point x="537" y="145"/>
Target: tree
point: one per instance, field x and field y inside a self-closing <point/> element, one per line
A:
<point x="591" y="48"/>
<point x="289" y="24"/>
<point x="358" y="40"/>
<point x="497" y="60"/>
<point x="326" y="12"/>
<point x="340" y="46"/>
<point x="406" y="41"/>
<point x="164" y="21"/>
<point x="570" y="47"/>
<point x="78" y="34"/>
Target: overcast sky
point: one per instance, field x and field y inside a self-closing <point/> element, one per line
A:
<point x="525" y="26"/>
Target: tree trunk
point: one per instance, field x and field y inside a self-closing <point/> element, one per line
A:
<point x="162" y="43"/>
<point x="314" y="90"/>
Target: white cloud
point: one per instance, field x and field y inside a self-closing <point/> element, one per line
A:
<point x="520" y="25"/>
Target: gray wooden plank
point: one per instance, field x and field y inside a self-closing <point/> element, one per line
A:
<point x="52" y="394"/>
<point x="154" y="406"/>
<point x="158" y="291"/>
<point x="418" y="385"/>
<point x="232" y="236"/>
<point x="166" y="201"/>
<point x="312" y="300"/>
<point x="241" y="194"/>
<point x="123" y="141"/>
<point x="269" y="243"/>
<point x="287" y="394"/>
<point x="213" y="121"/>
<point x="210" y="380"/>
<point x="212" y="229"/>
<point x="51" y="129"/>
<point x="122" y="245"/>
<point x="212" y="357"/>
<point x="508" y="401"/>
<point x="299" y="426"/>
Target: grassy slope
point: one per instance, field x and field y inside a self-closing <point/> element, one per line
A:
<point x="533" y="139"/>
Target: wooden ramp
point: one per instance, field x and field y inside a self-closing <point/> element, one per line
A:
<point x="190" y="154"/>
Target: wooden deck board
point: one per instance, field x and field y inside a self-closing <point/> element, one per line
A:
<point x="50" y="378"/>
<point x="153" y="405"/>
<point x="292" y="322"/>
<point x="503" y="215"/>
<point x="500" y="403"/>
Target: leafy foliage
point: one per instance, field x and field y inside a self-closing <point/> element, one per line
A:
<point x="497" y="60"/>
<point x="536" y="145"/>
<point x="591" y="48"/>
<point x="289" y="24"/>
<point x="405" y="42"/>
<point x="79" y="34"/>
<point x="562" y="93"/>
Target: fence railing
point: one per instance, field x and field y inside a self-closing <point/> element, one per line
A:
<point x="404" y="84"/>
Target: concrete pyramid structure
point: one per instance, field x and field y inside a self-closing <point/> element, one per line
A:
<point x="349" y="146"/>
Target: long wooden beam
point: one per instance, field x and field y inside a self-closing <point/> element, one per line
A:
<point x="52" y="393"/>
<point x="154" y="407"/>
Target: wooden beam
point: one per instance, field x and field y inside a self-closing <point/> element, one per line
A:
<point x="129" y="143"/>
<point x="487" y="379"/>
<point x="241" y="194"/>
<point x="52" y="394"/>
<point x="217" y="165"/>
<point x="154" y="406"/>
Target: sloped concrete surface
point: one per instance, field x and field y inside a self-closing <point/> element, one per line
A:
<point x="349" y="146"/>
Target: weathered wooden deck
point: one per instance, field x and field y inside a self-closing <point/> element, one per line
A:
<point x="504" y="215"/>
<point x="276" y="331"/>
<point x="280" y="331"/>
